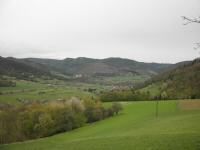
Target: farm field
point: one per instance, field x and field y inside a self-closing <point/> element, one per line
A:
<point x="45" y="90"/>
<point x="175" y="128"/>
<point x="121" y="80"/>
<point x="42" y="91"/>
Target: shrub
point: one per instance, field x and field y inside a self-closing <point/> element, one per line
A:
<point x="116" y="107"/>
<point x="45" y="119"/>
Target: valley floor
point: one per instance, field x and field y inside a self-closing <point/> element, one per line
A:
<point x="136" y="127"/>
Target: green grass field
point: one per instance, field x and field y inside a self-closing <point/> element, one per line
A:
<point x="52" y="90"/>
<point x="135" y="128"/>
<point x="44" y="90"/>
<point x="126" y="79"/>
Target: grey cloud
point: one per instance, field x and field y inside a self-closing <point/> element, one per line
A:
<point x="140" y="29"/>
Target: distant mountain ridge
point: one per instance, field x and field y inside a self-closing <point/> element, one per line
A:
<point x="22" y="69"/>
<point x="108" y="66"/>
<point x="80" y="67"/>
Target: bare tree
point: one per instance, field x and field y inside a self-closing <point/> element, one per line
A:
<point x="192" y="20"/>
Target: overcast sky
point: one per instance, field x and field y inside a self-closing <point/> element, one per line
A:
<point x="143" y="30"/>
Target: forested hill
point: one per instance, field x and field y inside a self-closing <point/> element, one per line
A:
<point x="21" y="68"/>
<point x="180" y="82"/>
<point x="103" y="67"/>
<point x="78" y="66"/>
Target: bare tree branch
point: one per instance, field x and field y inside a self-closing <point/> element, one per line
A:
<point x="197" y="46"/>
<point x="191" y="20"/>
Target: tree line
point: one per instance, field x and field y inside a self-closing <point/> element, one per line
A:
<point x="37" y="120"/>
<point x="124" y="95"/>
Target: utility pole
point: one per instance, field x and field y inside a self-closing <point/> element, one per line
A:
<point x="156" y="108"/>
<point x="157" y="100"/>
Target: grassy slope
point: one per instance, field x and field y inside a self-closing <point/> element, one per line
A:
<point x="135" y="128"/>
<point x="152" y="88"/>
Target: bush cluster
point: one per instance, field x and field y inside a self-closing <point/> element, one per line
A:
<point x="36" y="120"/>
